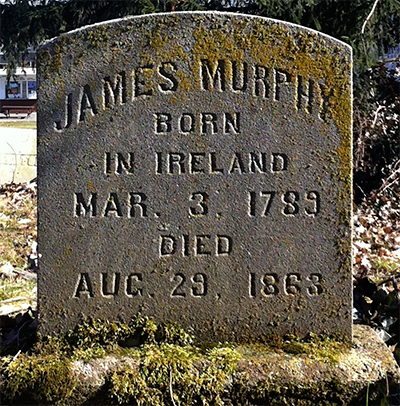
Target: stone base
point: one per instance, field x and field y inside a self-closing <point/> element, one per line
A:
<point x="256" y="374"/>
<point x="281" y="379"/>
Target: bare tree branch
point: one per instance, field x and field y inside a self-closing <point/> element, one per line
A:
<point x="369" y="16"/>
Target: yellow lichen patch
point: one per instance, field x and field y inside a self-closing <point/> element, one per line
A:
<point x="43" y="58"/>
<point x="273" y="45"/>
<point x="51" y="61"/>
<point x="98" y="35"/>
<point x="215" y="44"/>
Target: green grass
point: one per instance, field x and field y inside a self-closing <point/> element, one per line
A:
<point x="385" y="264"/>
<point x="16" y="288"/>
<point x="19" y="124"/>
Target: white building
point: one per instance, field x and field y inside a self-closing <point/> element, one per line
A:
<point x="22" y="84"/>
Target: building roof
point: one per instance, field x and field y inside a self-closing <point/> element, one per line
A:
<point x="19" y="72"/>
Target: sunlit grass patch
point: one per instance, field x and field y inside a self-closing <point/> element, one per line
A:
<point x="31" y="125"/>
<point x="387" y="265"/>
<point x="13" y="288"/>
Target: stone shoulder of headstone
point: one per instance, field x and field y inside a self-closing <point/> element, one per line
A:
<point x="196" y="167"/>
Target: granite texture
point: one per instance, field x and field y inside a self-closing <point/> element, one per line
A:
<point x="196" y="167"/>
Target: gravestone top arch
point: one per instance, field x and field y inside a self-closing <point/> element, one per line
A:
<point x="196" y="167"/>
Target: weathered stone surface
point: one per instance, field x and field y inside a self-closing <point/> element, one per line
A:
<point x="196" y="167"/>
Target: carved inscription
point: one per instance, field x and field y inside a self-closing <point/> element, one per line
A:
<point x="260" y="284"/>
<point x="109" y="285"/>
<point x="212" y="163"/>
<point x="122" y="88"/>
<point x="196" y="285"/>
<point x="262" y="203"/>
<point x="270" y="84"/>
<point x="270" y="284"/>
<point x="131" y="204"/>
<point x="292" y="203"/>
<point x="119" y="163"/>
<point x="274" y="84"/>
<point x="197" y="245"/>
<point x="137" y="204"/>
<point x="203" y="123"/>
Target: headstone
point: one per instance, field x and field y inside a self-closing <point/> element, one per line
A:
<point x="196" y="167"/>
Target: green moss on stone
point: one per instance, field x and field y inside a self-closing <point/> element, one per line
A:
<point x="45" y="378"/>
<point x="191" y="376"/>
<point x="155" y="360"/>
<point x="313" y="347"/>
